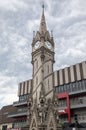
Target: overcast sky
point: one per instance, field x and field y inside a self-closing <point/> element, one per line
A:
<point x="18" y="20"/>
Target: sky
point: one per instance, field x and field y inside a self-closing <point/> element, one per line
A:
<point x="18" y="20"/>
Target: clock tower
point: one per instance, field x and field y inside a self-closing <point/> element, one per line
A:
<point x="42" y="61"/>
<point x="42" y="103"/>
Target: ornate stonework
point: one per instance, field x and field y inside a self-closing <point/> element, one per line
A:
<point x="42" y="104"/>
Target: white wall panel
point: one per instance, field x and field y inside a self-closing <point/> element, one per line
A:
<point x="66" y="76"/>
<point x="26" y="87"/>
<point x="72" y="77"/>
<point x="19" y="90"/>
<point x="84" y="69"/>
<point x="55" y="79"/>
<point x="60" y="77"/>
<point x="22" y="88"/>
<point x="78" y="74"/>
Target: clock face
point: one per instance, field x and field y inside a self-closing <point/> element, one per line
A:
<point x="48" y="44"/>
<point x="37" y="44"/>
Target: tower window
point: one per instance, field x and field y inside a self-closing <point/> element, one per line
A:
<point x="36" y="64"/>
<point x="48" y="69"/>
<point x="48" y="83"/>
<point x="36" y="80"/>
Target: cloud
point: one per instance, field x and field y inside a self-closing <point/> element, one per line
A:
<point x="12" y="5"/>
<point x="7" y="99"/>
<point x="18" y="19"/>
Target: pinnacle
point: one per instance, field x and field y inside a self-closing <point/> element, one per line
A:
<point x="43" y="27"/>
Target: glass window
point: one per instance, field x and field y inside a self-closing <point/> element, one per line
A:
<point x="4" y="127"/>
<point x="65" y="88"/>
<point x="81" y="101"/>
<point x="76" y="86"/>
<point x="73" y="87"/>
<point x="23" y="98"/>
<point x="61" y="88"/>
<point x="68" y="88"/>
<point x="79" y="85"/>
<point x="57" y="90"/>
<point x="84" y="84"/>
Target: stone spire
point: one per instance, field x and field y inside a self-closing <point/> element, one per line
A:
<point x="43" y="27"/>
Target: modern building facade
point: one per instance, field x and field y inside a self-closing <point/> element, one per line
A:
<point x="70" y="84"/>
<point x="20" y="116"/>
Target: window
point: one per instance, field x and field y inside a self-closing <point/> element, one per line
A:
<point x="65" y="88"/>
<point x="48" y="69"/>
<point x="85" y="84"/>
<point x="70" y="87"/>
<point x="23" y="98"/>
<point x="57" y="89"/>
<point x="36" y="80"/>
<point x="37" y="64"/>
<point x="4" y="127"/>
<point x="48" y="83"/>
<point x="79" y="86"/>
<point x="81" y="101"/>
<point x="61" y="88"/>
<point x="73" y="87"/>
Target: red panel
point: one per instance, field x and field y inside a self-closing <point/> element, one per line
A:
<point x="67" y="110"/>
<point x="62" y="95"/>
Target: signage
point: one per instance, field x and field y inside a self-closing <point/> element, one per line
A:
<point x="63" y="111"/>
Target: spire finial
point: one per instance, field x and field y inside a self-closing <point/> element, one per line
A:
<point x="43" y="7"/>
<point x="43" y="27"/>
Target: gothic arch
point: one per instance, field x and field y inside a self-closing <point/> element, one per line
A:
<point x="33" y="125"/>
<point x="51" y="124"/>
